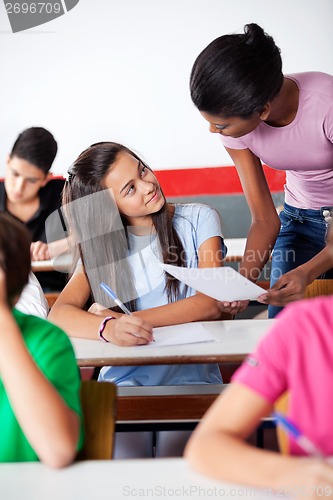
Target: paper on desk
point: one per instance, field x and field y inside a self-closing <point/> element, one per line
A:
<point x="221" y="283"/>
<point x="187" y="333"/>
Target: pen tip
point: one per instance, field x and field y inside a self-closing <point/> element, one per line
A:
<point x="108" y="290"/>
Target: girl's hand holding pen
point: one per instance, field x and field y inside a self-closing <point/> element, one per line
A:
<point x="313" y="476"/>
<point x="307" y="478"/>
<point x="129" y="330"/>
<point x="125" y="330"/>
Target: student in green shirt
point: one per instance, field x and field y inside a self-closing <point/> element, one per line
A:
<point x="40" y="410"/>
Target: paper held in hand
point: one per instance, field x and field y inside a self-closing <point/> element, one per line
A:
<point x="221" y="283"/>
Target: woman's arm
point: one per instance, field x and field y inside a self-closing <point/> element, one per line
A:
<point x="68" y="313"/>
<point x="218" y="448"/>
<point x="265" y="224"/>
<point x="263" y="233"/>
<point x="50" y="426"/>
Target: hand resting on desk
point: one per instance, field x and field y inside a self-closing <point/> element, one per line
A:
<point x="45" y="251"/>
<point x="39" y="251"/>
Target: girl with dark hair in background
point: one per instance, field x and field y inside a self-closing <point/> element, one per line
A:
<point x="286" y="122"/>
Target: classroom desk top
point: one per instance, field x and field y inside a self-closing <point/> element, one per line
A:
<point x="62" y="263"/>
<point x="117" y="479"/>
<point x="235" y="246"/>
<point x="234" y="340"/>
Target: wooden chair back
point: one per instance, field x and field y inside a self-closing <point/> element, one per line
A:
<point x="319" y="287"/>
<point x="281" y="406"/>
<point x="51" y="297"/>
<point x="98" y="401"/>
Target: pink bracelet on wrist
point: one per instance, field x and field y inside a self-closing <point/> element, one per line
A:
<point x="102" y="328"/>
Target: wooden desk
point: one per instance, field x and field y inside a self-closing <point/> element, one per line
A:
<point x="236" y="248"/>
<point x="172" y="407"/>
<point x="234" y="340"/>
<point x="117" y="480"/>
<point x="178" y="407"/>
<point x="62" y="263"/>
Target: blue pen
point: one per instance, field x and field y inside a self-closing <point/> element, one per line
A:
<point x="303" y="442"/>
<point x="119" y="303"/>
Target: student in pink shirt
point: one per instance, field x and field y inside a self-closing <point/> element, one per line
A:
<point x="295" y="356"/>
<point x="285" y="122"/>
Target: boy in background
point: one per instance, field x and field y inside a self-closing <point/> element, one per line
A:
<point x="30" y="194"/>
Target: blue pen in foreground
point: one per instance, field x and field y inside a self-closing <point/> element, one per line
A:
<point x="119" y="303"/>
<point x="303" y="442"/>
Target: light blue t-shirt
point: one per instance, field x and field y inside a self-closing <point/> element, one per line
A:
<point x="195" y="223"/>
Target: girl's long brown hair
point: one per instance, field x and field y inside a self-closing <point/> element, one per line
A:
<point x="100" y="231"/>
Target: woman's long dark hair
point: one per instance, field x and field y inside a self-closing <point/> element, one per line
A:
<point x="236" y="75"/>
<point x="100" y="231"/>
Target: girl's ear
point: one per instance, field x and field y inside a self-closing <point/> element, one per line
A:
<point x="265" y="112"/>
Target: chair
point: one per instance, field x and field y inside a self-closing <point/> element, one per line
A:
<point x="319" y="287"/>
<point x="281" y="406"/>
<point x="51" y="297"/>
<point x="98" y="401"/>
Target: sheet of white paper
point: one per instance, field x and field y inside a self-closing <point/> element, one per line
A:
<point x="221" y="283"/>
<point x="187" y="333"/>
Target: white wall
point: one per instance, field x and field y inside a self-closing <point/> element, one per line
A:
<point x="119" y="70"/>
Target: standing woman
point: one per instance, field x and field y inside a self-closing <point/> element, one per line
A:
<point x="286" y="122"/>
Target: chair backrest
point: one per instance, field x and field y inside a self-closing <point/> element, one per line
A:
<point x="51" y="297"/>
<point x="281" y="406"/>
<point x="98" y="401"/>
<point x="319" y="287"/>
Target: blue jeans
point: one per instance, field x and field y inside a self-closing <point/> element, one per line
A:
<point x="302" y="235"/>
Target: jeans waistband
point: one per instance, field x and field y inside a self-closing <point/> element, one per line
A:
<point x="306" y="212"/>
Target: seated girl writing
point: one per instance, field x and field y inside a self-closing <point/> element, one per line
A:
<point x="124" y="228"/>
